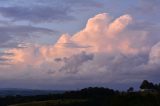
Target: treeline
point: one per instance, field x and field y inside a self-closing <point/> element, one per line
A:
<point x="97" y="96"/>
<point x="149" y="85"/>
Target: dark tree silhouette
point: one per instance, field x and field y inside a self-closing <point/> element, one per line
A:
<point x="147" y="85"/>
<point x="130" y="89"/>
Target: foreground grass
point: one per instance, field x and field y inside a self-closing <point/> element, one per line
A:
<point x="122" y="99"/>
<point x="69" y="102"/>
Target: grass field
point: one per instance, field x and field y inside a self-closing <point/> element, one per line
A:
<point x="65" y="102"/>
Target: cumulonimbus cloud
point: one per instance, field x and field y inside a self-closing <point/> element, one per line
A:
<point x="105" y="50"/>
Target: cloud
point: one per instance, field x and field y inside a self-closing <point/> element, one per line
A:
<point x="84" y="4"/>
<point x="44" y="11"/>
<point x="36" y="14"/>
<point x="106" y="51"/>
<point x="151" y="6"/>
<point x="155" y="54"/>
<point x="100" y="32"/>
<point x="119" y="24"/>
<point x="14" y="35"/>
<point x="146" y="9"/>
<point x="72" y="63"/>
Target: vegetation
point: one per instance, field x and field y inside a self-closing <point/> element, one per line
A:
<point x="149" y="85"/>
<point x="92" y="96"/>
<point x="54" y="103"/>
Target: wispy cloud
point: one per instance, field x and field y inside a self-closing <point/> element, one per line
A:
<point x="36" y="14"/>
<point x="12" y="35"/>
<point x="44" y="11"/>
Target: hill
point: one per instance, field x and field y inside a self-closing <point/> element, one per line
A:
<point x="26" y="92"/>
<point x="92" y="96"/>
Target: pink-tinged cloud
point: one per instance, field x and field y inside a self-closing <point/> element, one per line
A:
<point x="95" y="37"/>
<point x="118" y="25"/>
<point x="106" y="50"/>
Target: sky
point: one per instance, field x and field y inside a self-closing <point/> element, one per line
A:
<point x="72" y="44"/>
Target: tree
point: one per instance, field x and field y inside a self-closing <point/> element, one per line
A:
<point x="147" y="85"/>
<point x="130" y="89"/>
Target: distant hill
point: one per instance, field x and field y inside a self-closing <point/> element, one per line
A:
<point x="91" y="96"/>
<point x="26" y="92"/>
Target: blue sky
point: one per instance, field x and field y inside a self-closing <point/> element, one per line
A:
<point x="71" y="44"/>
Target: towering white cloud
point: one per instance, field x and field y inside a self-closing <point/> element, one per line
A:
<point x="106" y="50"/>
